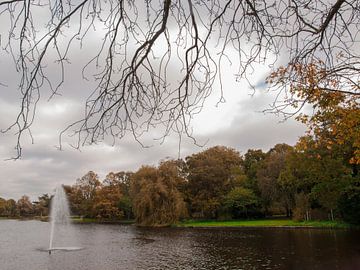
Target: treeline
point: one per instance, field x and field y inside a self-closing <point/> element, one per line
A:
<point x="307" y="182"/>
<point x="24" y="207"/>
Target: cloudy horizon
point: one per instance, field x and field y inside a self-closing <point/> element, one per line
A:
<point x="238" y="123"/>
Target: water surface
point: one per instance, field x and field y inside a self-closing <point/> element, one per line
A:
<point x="108" y="247"/>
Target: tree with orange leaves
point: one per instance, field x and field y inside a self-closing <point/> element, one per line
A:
<point x="333" y="117"/>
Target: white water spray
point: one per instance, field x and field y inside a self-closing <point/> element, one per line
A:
<point x="60" y="220"/>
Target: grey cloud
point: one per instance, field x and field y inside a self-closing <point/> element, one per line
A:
<point x="43" y="166"/>
<point x="263" y="134"/>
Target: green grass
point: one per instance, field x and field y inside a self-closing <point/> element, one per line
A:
<point x="83" y="220"/>
<point x="264" y="223"/>
<point x="79" y="220"/>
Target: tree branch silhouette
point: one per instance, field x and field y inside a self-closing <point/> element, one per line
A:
<point x="159" y="60"/>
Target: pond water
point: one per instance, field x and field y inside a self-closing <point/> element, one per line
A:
<point x="129" y="247"/>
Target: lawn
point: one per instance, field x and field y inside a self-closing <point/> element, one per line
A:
<point x="264" y="223"/>
<point x="101" y="221"/>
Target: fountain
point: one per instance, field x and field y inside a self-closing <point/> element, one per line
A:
<point x="60" y="222"/>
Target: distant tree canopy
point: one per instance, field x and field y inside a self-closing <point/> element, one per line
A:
<point x="141" y="45"/>
<point x="316" y="183"/>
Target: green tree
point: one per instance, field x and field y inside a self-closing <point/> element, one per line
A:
<point x="317" y="172"/>
<point x="328" y="193"/>
<point x="349" y="203"/>
<point x="210" y="178"/>
<point x="242" y="202"/>
<point x="252" y="162"/>
<point x="125" y="204"/>
<point x="272" y="188"/>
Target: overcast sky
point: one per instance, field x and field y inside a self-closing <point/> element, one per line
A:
<point x="237" y="123"/>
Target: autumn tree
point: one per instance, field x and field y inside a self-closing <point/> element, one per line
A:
<point x="85" y="192"/>
<point x="74" y="196"/>
<point x="120" y="182"/>
<point x="3" y="207"/>
<point x="8" y="208"/>
<point x="24" y="206"/>
<point x="210" y="177"/>
<point x="140" y="46"/>
<point x="156" y="199"/>
<point x="11" y="209"/>
<point x="112" y="199"/>
<point x="42" y="206"/>
<point x="334" y="98"/>
<point x="106" y="203"/>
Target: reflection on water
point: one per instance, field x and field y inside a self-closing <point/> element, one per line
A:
<point x="129" y="247"/>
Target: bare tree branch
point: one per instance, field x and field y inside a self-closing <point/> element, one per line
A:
<point x="158" y="61"/>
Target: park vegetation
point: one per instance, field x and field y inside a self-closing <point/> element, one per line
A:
<point x="318" y="178"/>
<point x="306" y="182"/>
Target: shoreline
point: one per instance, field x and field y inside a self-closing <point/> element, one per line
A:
<point x="265" y="223"/>
<point x="209" y="224"/>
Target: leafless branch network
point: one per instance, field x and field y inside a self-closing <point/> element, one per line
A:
<point x="159" y="60"/>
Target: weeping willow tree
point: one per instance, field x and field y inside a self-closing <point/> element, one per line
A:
<point x="157" y="61"/>
<point x="156" y="198"/>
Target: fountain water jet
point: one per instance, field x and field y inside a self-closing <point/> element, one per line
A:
<point x="60" y="219"/>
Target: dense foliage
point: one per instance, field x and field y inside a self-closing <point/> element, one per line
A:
<point x="156" y="197"/>
<point x="349" y="203"/>
<point x="309" y="181"/>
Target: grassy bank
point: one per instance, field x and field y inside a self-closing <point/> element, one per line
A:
<point x="270" y="223"/>
<point x="264" y="223"/>
<point x="78" y="220"/>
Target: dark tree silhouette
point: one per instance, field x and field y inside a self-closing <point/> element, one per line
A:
<point x="145" y="44"/>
